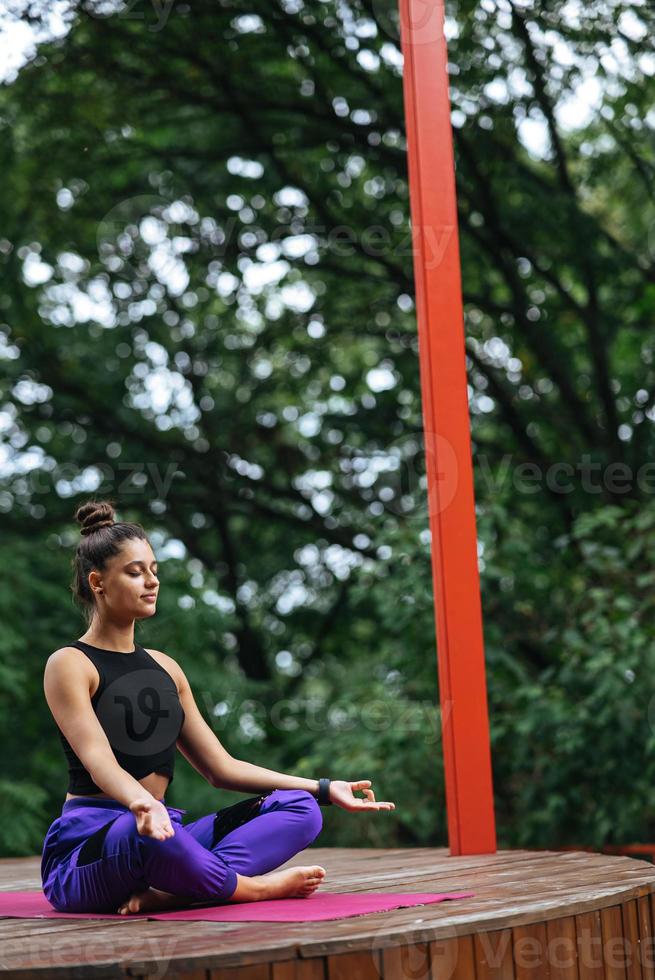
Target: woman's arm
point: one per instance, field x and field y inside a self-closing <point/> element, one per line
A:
<point x="66" y="688"/>
<point x="199" y="745"/>
<point x="247" y="778"/>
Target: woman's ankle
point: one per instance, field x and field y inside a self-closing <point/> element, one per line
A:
<point x="249" y="889"/>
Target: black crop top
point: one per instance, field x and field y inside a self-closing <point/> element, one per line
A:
<point x="138" y="706"/>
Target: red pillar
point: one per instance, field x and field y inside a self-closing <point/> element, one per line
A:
<point x="455" y="577"/>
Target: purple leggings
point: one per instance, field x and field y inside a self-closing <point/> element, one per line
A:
<point x="94" y="858"/>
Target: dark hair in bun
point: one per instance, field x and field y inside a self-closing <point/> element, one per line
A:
<point x="102" y="537"/>
<point x="94" y="515"/>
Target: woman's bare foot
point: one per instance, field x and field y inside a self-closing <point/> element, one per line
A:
<point x="292" y="882"/>
<point x="153" y="900"/>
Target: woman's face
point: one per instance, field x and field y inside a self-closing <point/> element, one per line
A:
<point x="128" y="583"/>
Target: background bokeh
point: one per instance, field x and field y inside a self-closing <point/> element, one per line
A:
<point x="207" y="313"/>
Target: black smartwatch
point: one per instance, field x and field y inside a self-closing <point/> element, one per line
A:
<point x="323" y="797"/>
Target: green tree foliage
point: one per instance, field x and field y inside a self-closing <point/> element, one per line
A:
<point x="207" y="312"/>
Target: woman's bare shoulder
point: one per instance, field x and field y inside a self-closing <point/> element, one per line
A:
<point x="69" y="666"/>
<point x="160" y="656"/>
<point x="168" y="663"/>
<point x="68" y="655"/>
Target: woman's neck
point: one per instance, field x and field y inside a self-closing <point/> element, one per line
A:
<point x="110" y="638"/>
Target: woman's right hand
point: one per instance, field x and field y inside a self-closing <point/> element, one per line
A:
<point x="152" y="819"/>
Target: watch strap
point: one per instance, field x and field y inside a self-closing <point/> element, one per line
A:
<point x="323" y="797"/>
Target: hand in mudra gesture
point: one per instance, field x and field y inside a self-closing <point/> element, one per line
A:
<point x="152" y="819"/>
<point x="341" y="793"/>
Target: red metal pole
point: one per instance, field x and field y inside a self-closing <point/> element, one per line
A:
<point x="456" y="585"/>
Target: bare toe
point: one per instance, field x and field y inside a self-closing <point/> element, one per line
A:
<point x="133" y="904"/>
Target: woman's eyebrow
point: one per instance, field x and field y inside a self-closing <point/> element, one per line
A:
<point x="137" y="561"/>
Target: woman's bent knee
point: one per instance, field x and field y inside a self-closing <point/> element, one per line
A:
<point x="303" y="805"/>
<point x="313" y="814"/>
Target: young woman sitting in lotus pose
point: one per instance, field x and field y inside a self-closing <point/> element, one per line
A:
<point x="122" y="711"/>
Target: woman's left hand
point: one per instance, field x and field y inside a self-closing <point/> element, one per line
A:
<point x="341" y="793"/>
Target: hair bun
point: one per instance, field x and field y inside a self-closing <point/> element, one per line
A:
<point x="94" y="515"/>
<point x="90" y="528"/>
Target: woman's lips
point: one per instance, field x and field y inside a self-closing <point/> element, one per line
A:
<point x="150" y="598"/>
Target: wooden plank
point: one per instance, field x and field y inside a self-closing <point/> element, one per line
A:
<point x="590" y="946"/>
<point x="647" y="939"/>
<point x="632" y="940"/>
<point x="187" y="975"/>
<point x="529" y="951"/>
<point x="285" y="970"/>
<point x="651" y="906"/>
<point x="299" y="970"/>
<point x="562" y="951"/>
<point x="452" y="959"/>
<point x="405" y="962"/>
<point x="256" y="971"/>
<point x="354" y="966"/>
<point x="614" y="953"/>
<point x="493" y="955"/>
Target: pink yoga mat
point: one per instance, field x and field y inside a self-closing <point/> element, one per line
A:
<point x="314" y="908"/>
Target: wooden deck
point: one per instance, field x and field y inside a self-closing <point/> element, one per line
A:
<point x="558" y="915"/>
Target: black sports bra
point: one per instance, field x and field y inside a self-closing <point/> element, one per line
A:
<point x="138" y="706"/>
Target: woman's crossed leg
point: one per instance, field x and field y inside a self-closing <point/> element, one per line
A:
<point x="114" y="868"/>
<point x="191" y="866"/>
